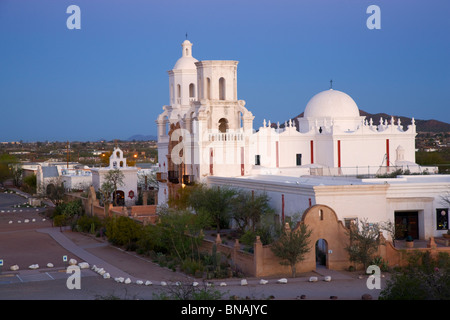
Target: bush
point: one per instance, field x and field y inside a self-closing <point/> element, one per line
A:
<point x="149" y="241"/>
<point x="123" y="231"/>
<point x="192" y="267"/>
<point x="248" y="238"/>
<point x="90" y="224"/>
<point x="186" y="291"/>
<point x="424" y="278"/>
<point x="70" y="209"/>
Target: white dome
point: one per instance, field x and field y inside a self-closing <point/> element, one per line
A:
<point x="331" y="104"/>
<point x="187" y="61"/>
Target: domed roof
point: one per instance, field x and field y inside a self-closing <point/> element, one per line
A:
<point x="331" y="104"/>
<point x="187" y="61"/>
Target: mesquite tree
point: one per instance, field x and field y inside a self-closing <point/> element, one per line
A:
<point x="292" y="246"/>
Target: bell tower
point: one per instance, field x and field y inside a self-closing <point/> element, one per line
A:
<point x="183" y="79"/>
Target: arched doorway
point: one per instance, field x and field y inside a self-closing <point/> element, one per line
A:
<point x="321" y="248"/>
<point x="119" y="198"/>
<point x="223" y="125"/>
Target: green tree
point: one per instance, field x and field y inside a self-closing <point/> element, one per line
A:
<point x="66" y="212"/>
<point x="180" y="232"/>
<point x="249" y="209"/>
<point x="54" y="190"/>
<point x="123" y="231"/>
<point x="214" y="201"/>
<point x="30" y="183"/>
<point x="292" y="246"/>
<point x="8" y="163"/>
<point x="112" y="181"/>
<point x="364" y="242"/>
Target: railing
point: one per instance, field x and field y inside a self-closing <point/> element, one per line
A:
<point x="226" y="136"/>
<point x="173" y="176"/>
<point x="372" y="171"/>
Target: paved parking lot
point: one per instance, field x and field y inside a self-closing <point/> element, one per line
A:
<point x="37" y="242"/>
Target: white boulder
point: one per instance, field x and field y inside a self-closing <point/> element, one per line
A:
<point x="244" y="282"/>
<point x="127" y="280"/>
<point x="262" y="281"/>
<point x="313" y="279"/>
<point x="163" y="283"/>
<point x="282" y="280"/>
<point x="72" y="262"/>
<point x="148" y="283"/>
<point x="106" y="276"/>
<point x="34" y="266"/>
<point x="327" y="279"/>
<point x="14" y="267"/>
<point x="50" y="265"/>
<point x="83" y="265"/>
<point x="139" y="282"/>
<point x="223" y="284"/>
<point x="195" y="284"/>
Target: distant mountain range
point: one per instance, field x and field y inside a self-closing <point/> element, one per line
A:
<point x="421" y="125"/>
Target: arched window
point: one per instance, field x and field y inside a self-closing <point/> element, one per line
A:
<point x="223" y="125"/>
<point x="121" y="164"/>
<point x="208" y="88"/>
<point x="191" y="90"/>
<point x="178" y="91"/>
<point x="222" y="88"/>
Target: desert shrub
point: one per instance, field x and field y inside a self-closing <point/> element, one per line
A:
<point x="424" y="278"/>
<point x="123" y="231"/>
<point x="90" y="224"/>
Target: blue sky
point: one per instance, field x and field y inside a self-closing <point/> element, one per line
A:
<point x="109" y="79"/>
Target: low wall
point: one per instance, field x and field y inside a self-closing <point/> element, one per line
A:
<point x="242" y="261"/>
<point x="321" y="219"/>
<point x="399" y="257"/>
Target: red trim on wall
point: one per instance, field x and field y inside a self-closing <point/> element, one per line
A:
<point x="339" y="153"/>
<point x="312" y="151"/>
<point x="387" y="151"/>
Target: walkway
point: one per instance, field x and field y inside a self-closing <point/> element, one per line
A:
<point x="59" y="237"/>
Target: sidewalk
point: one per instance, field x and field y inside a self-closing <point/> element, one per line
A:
<point x="59" y="237"/>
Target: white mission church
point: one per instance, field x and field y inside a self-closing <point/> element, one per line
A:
<point x="329" y="156"/>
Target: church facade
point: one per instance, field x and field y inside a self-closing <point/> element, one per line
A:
<point x="127" y="191"/>
<point x="326" y="156"/>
